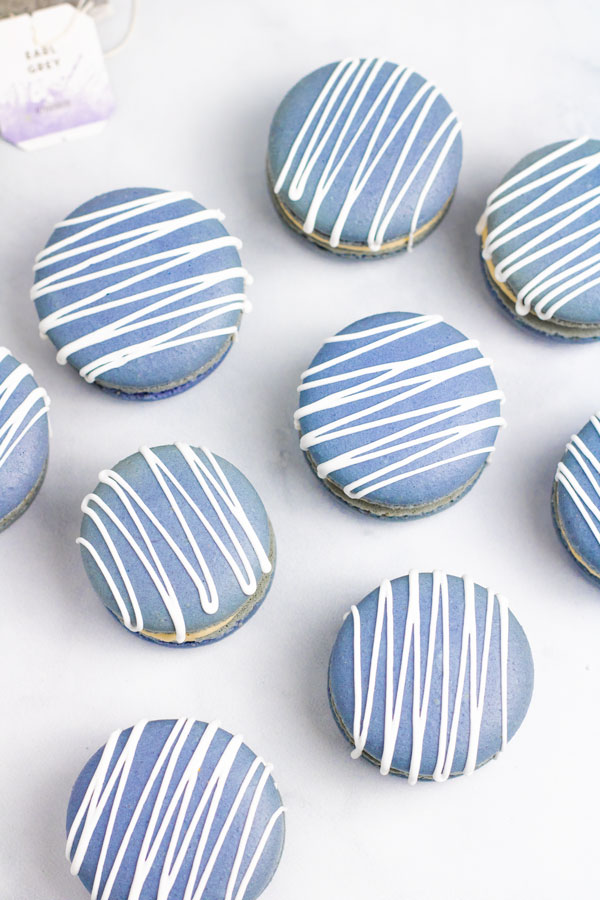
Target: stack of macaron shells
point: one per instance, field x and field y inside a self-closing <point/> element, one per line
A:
<point x="142" y="292"/>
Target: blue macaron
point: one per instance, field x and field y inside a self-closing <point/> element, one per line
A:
<point x="178" y="545"/>
<point x="430" y="676"/>
<point x="364" y="157"/>
<point x="398" y="414"/>
<point x="175" y="809"/>
<point x="540" y="241"/>
<point x="576" y="498"/>
<point x="23" y="437"/>
<point x="141" y="291"/>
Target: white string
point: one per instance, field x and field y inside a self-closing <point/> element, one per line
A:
<point x="135" y="8"/>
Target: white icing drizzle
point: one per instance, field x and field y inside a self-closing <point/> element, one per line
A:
<point x="226" y="509"/>
<point x="159" y="305"/>
<point x="388" y="384"/>
<point x="341" y="103"/>
<point x="415" y="655"/>
<point x="98" y="798"/>
<point x="573" y="271"/>
<point x="24" y="416"/>
<point x="586" y="503"/>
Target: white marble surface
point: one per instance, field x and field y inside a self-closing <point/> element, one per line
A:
<point x="196" y="89"/>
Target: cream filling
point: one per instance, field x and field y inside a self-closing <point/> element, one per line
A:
<point x="353" y="249"/>
<point x="561" y="528"/>
<point x="223" y="625"/>
<point x="555" y="326"/>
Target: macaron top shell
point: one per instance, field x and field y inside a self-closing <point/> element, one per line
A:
<point x="140" y="289"/>
<point x="23" y="432"/>
<point x="364" y="151"/>
<point x="541" y="232"/>
<point x="430" y="676"/>
<point x="577" y="497"/>
<point x="175" y="810"/>
<point x="399" y="409"/>
<point x="176" y="541"/>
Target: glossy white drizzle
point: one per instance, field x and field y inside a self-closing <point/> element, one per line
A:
<point x="225" y="509"/>
<point x="423" y="706"/>
<point x="590" y="466"/>
<point x="400" y="380"/>
<point x="159" y="305"/>
<point x="573" y="272"/>
<point x="98" y="798"/>
<point x="341" y="103"/>
<point x="24" y="416"/>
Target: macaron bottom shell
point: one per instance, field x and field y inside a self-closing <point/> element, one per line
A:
<point x="161" y="393"/>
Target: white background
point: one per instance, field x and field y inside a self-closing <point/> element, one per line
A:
<point x="196" y="89"/>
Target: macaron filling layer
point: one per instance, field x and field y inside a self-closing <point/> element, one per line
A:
<point x="346" y="248"/>
<point x="555" y="327"/>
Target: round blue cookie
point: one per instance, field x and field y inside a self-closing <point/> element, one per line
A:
<point x="175" y="810"/>
<point x="177" y="544"/>
<point x="540" y="241"/>
<point x="141" y="291"/>
<point x="364" y="157"/>
<point x="398" y="414"/>
<point x="430" y="676"/>
<point x="576" y="498"/>
<point x="23" y="437"/>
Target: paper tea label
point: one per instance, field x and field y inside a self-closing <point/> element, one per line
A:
<point x="53" y="79"/>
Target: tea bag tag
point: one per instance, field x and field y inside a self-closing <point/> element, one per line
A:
<point x="53" y="80"/>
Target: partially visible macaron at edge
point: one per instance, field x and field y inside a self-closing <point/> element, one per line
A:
<point x="576" y="498"/>
<point x="540" y="241"/>
<point x="24" y="437"/>
<point x="175" y="808"/>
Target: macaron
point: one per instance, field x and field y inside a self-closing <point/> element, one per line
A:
<point x="175" y="809"/>
<point x="398" y="414"/>
<point x="23" y="437"/>
<point x="430" y="676"/>
<point x="540" y="241"/>
<point x="141" y="291"/>
<point x="177" y="544"/>
<point x="364" y="157"/>
<point x="576" y="498"/>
